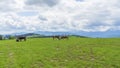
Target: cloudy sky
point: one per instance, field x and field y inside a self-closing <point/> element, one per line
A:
<point x="59" y="15"/>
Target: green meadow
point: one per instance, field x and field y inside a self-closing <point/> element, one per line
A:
<point x="72" y="53"/>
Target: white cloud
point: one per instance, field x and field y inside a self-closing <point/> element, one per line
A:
<point x="62" y="15"/>
<point x="11" y="5"/>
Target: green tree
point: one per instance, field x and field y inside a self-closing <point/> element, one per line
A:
<point x="11" y="37"/>
<point x="1" y="37"/>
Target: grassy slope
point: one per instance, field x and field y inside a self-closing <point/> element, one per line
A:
<point x="72" y="53"/>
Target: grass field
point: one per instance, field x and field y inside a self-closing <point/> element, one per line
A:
<point x="49" y="53"/>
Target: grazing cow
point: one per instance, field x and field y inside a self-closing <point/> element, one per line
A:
<point x="20" y="38"/>
<point x="58" y="37"/>
<point x="64" y="37"/>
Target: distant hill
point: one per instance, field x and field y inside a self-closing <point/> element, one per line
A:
<point x="34" y="35"/>
<point x="80" y="36"/>
<point x="107" y="34"/>
<point x="30" y="34"/>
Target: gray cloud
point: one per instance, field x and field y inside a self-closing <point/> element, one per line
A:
<point x="49" y="3"/>
<point x="42" y="18"/>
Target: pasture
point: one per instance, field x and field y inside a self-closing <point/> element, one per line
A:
<point x="49" y="53"/>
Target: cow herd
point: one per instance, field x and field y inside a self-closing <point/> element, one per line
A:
<point x="58" y="37"/>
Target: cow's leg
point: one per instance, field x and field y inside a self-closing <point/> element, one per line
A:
<point x="59" y="38"/>
<point x="25" y="39"/>
<point x="67" y="38"/>
<point x="17" y="40"/>
<point x="20" y="40"/>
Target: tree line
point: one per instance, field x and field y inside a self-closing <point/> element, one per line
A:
<point x="4" y="37"/>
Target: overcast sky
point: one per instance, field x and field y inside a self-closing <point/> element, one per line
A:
<point x="59" y="15"/>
